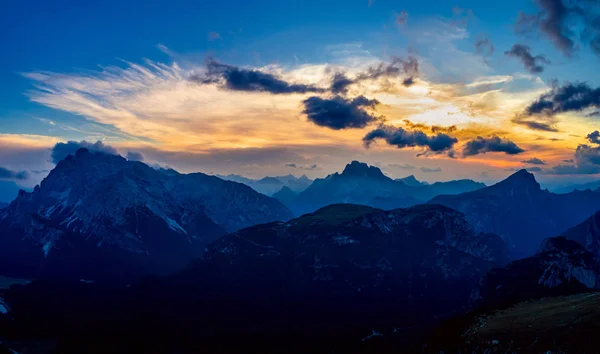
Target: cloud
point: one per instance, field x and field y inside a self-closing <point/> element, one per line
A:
<point x="402" y="138"/>
<point x="61" y="150"/>
<point x="534" y="161"/>
<point x="338" y="112"/>
<point x="398" y="67"/>
<point x="313" y="167"/>
<point x="135" y="156"/>
<point x="251" y="80"/>
<point x="533" y="64"/>
<point x="430" y="170"/>
<point x="570" y="97"/>
<point x="482" y="145"/>
<point x="484" y="47"/>
<point x="5" y="174"/>
<point x="403" y="166"/>
<point x="594" y="137"/>
<point x="402" y="18"/>
<point x="586" y="160"/>
<point x="340" y="83"/>
<point x="213" y="36"/>
<point x="564" y="23"/>
<point x="546" y="125"/>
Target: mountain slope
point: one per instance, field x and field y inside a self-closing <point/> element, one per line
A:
<point x="96" y="210"/>
<point x="521" y="212"/>
<point x="270" y="185"/>
<point x="560" y="267"/>
<point x="286" y="195"/>
<point x="587" y="234"/>
<point x="324" y="282"/>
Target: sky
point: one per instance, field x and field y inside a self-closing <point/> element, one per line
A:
<point x="436" y="89"/>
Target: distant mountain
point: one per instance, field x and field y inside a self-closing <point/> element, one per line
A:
<point x="270" y="185"/>
<point x="330" y="281"/>
<point x="286" y="195"/>
<point x="587" y="234"/>
<point x="3" y="205"/>
<point x="101" y="217"/>
<point x="521" y="212"/>
<point x="360" y="183"/>
<point x="411" y="181"/>
<point x="577" y="187"/>
<point x="560" y="267"/>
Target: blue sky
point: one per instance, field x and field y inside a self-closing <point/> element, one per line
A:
<point x="70" y="41"/>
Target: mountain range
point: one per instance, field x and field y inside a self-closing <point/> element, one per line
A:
<point x="360" y="183"/>
<point x="99" y="216"/>
<point x="330" y="280"/>
<point x="270" y="185"/>
<point x="521" y="212"/>
<point x="8" y="191"/>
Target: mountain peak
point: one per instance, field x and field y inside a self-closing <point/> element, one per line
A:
<point x="410" y="180"/>
<point x="521" y="179"/>
<point x="361" y="169"/>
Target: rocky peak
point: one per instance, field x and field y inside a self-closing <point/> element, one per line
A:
<point x="521" y="180"/>
<point x="361" y="169"/>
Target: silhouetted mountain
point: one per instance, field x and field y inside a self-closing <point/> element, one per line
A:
<point x="270" y="185"/>
<point x="363" y="184"/>
<point x="411" y="181"/>
<point x="587" y="234"/>
<point x="8" y="191"/>
<point x="577" y="187"/>
<point x="98" y="216"/>
<point x="286" y="195"/>
<point x="560" y="267"/>
<point x="326" y="281"/>
<point x="3" y="205"/>
<point x="521" y="212"/>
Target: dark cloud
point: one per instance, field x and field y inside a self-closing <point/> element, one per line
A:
<point x="338" y="112"/>
<point x="292" y="165"/>
<point x="135" y="156"/>
<point x="533" y="64"/>
<point x="586" y="160"/>
<point x="570" y="97"/>
<point x="534" y="161"/>
<point x="564" y="22"/>
<point x="484" y="47"/>
<point x="312" y="167"/>
<point x="398" y="67"/>
<point x="402" y="138"/>
<point x="594" y="137"/>
<point x="430" y="170"/>
<point x="340" y="83"/>
<point x="239" y="79"/>
<point x="62" y="150"/>
<point x="5" y="173"/>
<point x="543" y="124"/>
<point x="482" y="145"/>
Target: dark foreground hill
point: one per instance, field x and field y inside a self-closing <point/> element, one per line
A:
<point x="345" y="278"/>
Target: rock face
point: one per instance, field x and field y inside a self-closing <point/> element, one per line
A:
<point x="400" y="262"/>
<point x="560" y="267"/>
<point x="330" y="281"/>
<point x="100" y="217"/>
<point x="362" y="184"/>
<point x="521" y="212"/>
<point x="587" y="234"/>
